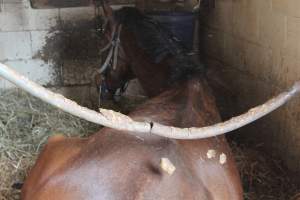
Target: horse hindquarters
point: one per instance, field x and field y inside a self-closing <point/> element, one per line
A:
<point x="213" y="164"/>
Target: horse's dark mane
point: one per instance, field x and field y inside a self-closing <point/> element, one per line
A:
<point x="158" y="43"/>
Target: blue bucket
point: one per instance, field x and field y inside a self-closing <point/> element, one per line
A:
<point x="181" y="24"/>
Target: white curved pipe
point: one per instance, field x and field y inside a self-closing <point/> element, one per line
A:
<point x="230" y="125"/>
<point x="122" y="122"/>
<point x="108" y="119"/>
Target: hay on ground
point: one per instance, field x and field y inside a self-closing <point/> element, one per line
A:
<point x="264" y="177"/>
<point x="25" y="125"/>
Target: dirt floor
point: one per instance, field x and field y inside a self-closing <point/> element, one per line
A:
<point x="26" y="123"/>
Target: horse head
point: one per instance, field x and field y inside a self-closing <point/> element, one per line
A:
<point x="114" y="71"/>
<point x="139" y="46"/>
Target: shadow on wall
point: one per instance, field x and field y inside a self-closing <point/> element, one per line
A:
<point x="73" y="48"/>
<point x="257" y="45"/>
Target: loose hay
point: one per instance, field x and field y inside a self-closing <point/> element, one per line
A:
<point x="264" y="177"/>
<point x="26" y="123"/>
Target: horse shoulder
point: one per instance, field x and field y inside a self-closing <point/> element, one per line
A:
<point x="55" y="155"/>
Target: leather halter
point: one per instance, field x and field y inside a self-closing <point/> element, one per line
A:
<point x="113" y="48"/>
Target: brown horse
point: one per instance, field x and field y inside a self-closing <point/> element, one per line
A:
<point x="111" y="165"/>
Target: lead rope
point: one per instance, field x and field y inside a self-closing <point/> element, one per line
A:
<point x="113" y="47"/>
<point x="99" y="97"/>
<point x="112" y="57"/>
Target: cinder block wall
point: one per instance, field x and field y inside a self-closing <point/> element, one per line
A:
<point x="58" y="48"/>
<point x="23" y="36"/>
<point x="257" y="43"/>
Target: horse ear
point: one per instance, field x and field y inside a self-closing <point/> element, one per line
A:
<point x="107" y="10"/>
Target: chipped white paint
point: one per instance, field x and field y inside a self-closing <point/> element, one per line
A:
<point x="211" y="153"/>
<point x="223" y="158"/>
<point x="167" y="166"/>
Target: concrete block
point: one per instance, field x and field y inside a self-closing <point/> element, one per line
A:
<point x="294" y="8"/>
<point x="76" y="14"/>
<point x="291" y="68"/>
<point x="273" y="27"/>
<point x="281" y="7"/>
<point x="13" y="17"/>
<point x="35" y="70"/>
<point x="213" y="42"/>
<point x="278" y="73"/>
<point x="42" y="19"/>
<point x="264" y="5"/>
<point x="14" y="1"/>
<point x="15" y="45"/>
<point x="234" y="51"/>
<point x="246" y="90"/>
<point x="258" y="61"/>
<point x="221" y="16"/>
<point x="246" y="19"/>
<point x="38" y="41"/>
<point x="20" y="16"/>
<point x="292" y="43"/>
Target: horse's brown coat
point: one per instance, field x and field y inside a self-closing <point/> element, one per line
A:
<point x="114" y="165"/>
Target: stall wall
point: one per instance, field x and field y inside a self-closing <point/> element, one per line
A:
<point x="58" y="48"/>
<point x="257" y="46"/>
<point x="23" y="34"/>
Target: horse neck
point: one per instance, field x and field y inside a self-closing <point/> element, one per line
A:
<point x="189" y="105"/>
<point x="152" y="76"/>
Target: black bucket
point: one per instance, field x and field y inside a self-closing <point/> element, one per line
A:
<point x="181" y="24"/>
